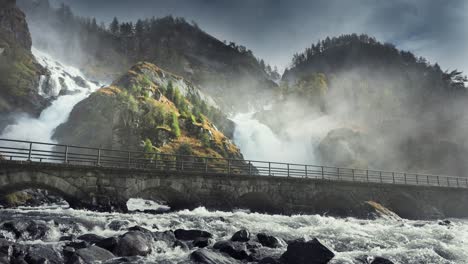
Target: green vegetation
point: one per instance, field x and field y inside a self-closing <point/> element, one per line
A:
<point x="149" y="149"/>
<point x="175" y="125"/>
<point x="205" y="139"/>
<point x="185" y="149"/>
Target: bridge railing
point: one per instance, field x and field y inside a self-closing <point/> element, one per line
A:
<point x="18" y="150"/>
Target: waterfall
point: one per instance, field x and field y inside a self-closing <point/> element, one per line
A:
<point x="296" y="144"/>
<point x="66" y="86"/>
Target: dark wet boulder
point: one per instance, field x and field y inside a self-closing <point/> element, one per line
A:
<point x="77" y="244"/>
<point x="133" y="243"/>
<point x="241" y="236"/>
<point x="26" y="229"/>
<point x="258" y="254"/>
<point x="39" y="254"/>
<point x="269" y="241"/>
<point x="310" y="252"/>
<point x="129" y="260"/>
<point x="6" y="250"/>
<point x="166" y="236"/>
<point x="67" y="238"/>
<point x="91" y="238"/>
<point x="192" y="234"/>
<point x="108" y="243"/>
<point x="180" y="244"/>
<point x="139" y="229"/>
<point x="253" y="245"/>
<point x="202" y="242"/>
<point x="269" y="260"/>
<point x="118" y="225"/>
<point x="445" y="222"/>
<point x="380" y="260"/>
<point x="92" y="254"/>
<point x="205" y="256"/>
<point x="236" y="250"/>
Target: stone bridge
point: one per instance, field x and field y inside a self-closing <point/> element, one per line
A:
<point x="106" y="188"/>
<point x="103" y="179"/>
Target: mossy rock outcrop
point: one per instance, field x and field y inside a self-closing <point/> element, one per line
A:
<point x="19" y="71"/>
<point x="149" y="109"/>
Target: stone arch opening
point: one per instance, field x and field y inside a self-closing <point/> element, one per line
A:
<point x="57" y="186"/>
<point x="334" y="205"/>
<point x="165" y="196"/>
<point x="260" y="202"/>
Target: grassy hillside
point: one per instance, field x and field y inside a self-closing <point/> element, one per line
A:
<point x="148" y="109"/>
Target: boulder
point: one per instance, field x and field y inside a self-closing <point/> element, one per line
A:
<point x="166" y="236"/>
<point x="180" y="244"/>
<point x="241" y="236"/>
<point x="108" y="243"/>
<point x="91" y="238"/>
<point x="202" y="242"/>
<point x="380" y="260"/>
<point x="269" y="260"/>
<point x="206" y="256"/>
<point x="191" y="234"/>
<point x="310" y="252"/>
<point x="269" y="241"/>
<point x="91" y="255"/>
<point x="6" y="250"/>
<point x="257" y="254"/>
<point x="26" y="229"/>
<point x="118" y="225"/>
<point x="133" y="243"/>
<point x="39" y="254"/>
<point x="236" y="250"/>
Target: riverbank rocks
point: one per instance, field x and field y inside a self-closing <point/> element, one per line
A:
<point x="193" y="234"/>
<point x="26" y="229"/>
<point x="205" y="256"/>
<point x="237" y="250"/>
<point x="269" y="241"/>
<point x="133" y="243"/>
<point x="118" y="225"/>
<point x="380" y="260"/>
<point x="310" y="252"/>
<point x="241" y="236"/>
<point x="90" y="255"/>
<point x="91" y="238"/>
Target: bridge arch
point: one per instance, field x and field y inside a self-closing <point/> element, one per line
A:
<point x="17" y="181"/>
<point x="258" y="201"/>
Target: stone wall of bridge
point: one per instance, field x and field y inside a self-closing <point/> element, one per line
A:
<point x="109" y="189"/>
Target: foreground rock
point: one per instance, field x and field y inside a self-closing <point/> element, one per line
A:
<point x="91" y="255"/>
<point x="191" y="234"/>
<point x="241" y="236"/>
<point x="380" y="260"/>
<point x="269" y="241"/>
<point x="236" y="250"/>
<point x="27" y="229"/>
<point x="310" y="252"/>
<point x="133" y="243"/>
<point x="205" y="256"/>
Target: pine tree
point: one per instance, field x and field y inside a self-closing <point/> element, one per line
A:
<point x="114" y="26"/>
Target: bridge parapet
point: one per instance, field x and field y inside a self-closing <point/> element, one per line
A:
<point x="19" y="150"/>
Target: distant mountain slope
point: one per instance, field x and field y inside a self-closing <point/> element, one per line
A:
<point x="19" y="71"/>
<point x="229" y="73"/>
<point x="148" y="109"/>
<point x="393" y="110"/>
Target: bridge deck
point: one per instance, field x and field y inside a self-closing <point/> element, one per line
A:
<point x="48" y="153"/>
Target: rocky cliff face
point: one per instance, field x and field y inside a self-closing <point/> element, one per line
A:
<point x="152" y="110"/>
<point x="19" y="71"/>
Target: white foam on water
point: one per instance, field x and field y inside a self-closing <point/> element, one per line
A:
<point x="403" y="241"/>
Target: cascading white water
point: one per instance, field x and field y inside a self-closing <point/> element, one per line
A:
<point x="62" y="78"/>
<point x="258" y="142"/>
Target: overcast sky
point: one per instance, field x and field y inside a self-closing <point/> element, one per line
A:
<point x="275" y="29"/>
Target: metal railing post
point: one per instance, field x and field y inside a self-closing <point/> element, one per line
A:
<point x="323" y="173"/>
<point x="229" y="167"/>
<point x="66" y="154"/>
<point x="427" y="179"/>
<point x="404" y="174"/>
<point x="250" y="168"/>
<point x="30" y="151"/>
<point x="288" y="169"/>
<point x="417" y="179"/>
<point x="381" y="180"/>
<point x="269" y="168"/>
<point x="438" y="180"/>
<point x="448" y="182"/>
<point x="182" y="165"/>
<point x="458" y="185"/>
<point x="99" y="157"/>
<point x="338" y="171"/>
<point x="353" y="174"/>
<point x="129" y="159"/>
<point x="367" y="175"/>
<point x="206" y="165"/>
<point x="393" y="176"/>
<point x="306" y="171"/>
